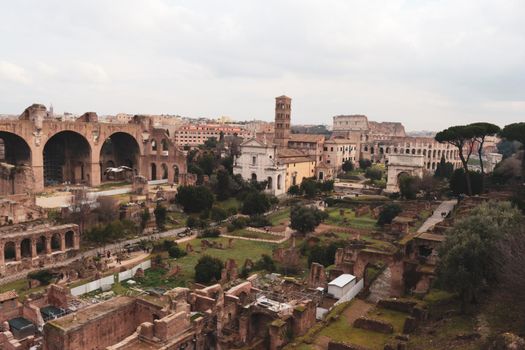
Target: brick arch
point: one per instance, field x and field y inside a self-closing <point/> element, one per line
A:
<point x="14" y="147"/>
<point x="9" y="251"/>
<point x="67" y="156"/>
<point x="119" y="148"/>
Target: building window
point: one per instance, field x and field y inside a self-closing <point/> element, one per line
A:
<point x="254" y="160"/>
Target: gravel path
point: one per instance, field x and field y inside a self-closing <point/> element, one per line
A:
<point x="437" y="217"/>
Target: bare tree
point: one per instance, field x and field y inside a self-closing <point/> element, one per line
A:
<point x="107" y="209"/>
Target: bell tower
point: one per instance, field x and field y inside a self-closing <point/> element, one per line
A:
<point x="283" y="109"/>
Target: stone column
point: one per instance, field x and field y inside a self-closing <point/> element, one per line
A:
<point x="37" y="164"/>
<point x="18" y="251"/>
<point x="94" y="167"/>
<point x="48" y="245"/>
<point x="62" y="241"/>
<point x="2" y="260"/>
<point x="33" y="248"/>
<point x="76" y="240"/>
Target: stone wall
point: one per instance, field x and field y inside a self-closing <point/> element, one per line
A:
<point x="100" y="325"/>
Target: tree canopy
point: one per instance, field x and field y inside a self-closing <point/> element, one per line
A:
<point x="306" y="219"/>
<point x="516" y="132"/>
<point x="194" y="198"/>
<point x="208" y="269"/>
<point x="388" y="213"/>
<point x="462" y="137"/>
<point x="468" y="257"/>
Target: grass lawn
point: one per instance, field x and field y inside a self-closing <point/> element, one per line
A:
<point x="114" y="184"/>
<point x="241" y="250"/>
<point x="179" y="220"/>
<point x="252" y="234"/>
<point x="21" y="288"/>
<point x="228" y="203"/>
<point x="279" y="217"/>
<point x="395" y="318"/>
<point x="361" y="222"/>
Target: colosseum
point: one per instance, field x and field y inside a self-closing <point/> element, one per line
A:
<point x="431" y="150"/>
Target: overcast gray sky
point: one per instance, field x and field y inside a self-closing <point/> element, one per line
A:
<point x="426" y="63"/>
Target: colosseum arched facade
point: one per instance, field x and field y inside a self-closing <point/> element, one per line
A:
<point x="431" y="150"/>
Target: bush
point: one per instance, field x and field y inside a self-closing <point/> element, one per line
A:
<point x="176" y="252"/>
<point x="43" y="276"/>
<point x="309" y="187"/>
<point x="255" y="203"/>
<point x="327" y="186"/>
<point x="204" y="215"/>
<point x="211" y="233"/>
<point x="294" y="190"/>
<point x="239" y="223"/>
<point x="348" y="166"/>
<point x="388" y="213"/>
<point x="408" y="186"/>
<point x="365" y="163"/>
<point x="192" y="222"/>
<point x="232" y="211"/>
<point x="259" y="221"/>
<point x="218" y="214"/>
<point x="194" y="199"/>
<point x="208" y="269"/>
<point x="265" y="263"/>
<point x="306" y="219"/>
<point x="374" y="173"/>
<point x="112" y="232"/>
<point x="160" y="216"/>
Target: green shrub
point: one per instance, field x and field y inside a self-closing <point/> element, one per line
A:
<point x="208" y="269"/>
<point x="211" y="233"/>
<point x="176" y="252"/>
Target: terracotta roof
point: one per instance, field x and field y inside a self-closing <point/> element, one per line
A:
<point x="296" y="160"/>
<point x="290" y="152"/>
<point x="284" y="96"/>
<point x="9" y="295"/>
<point x="339" y="140"/>
<point x="306" y="137"/>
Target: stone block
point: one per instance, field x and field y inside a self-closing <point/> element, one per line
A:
<point x="374" y="325"/>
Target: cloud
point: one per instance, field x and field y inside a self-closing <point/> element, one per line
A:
<point x="425" y="63"/>
<point x="13" y="73"/>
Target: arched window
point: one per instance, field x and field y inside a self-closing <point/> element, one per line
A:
<point x="153" y="171"/>
<point x="164" y="171"/>
<point x="10" y="251"/>
<point x="56" y="242"/>
<point x="70" y="239"/>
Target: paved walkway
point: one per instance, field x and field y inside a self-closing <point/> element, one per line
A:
<point x="437" y="217"/>
<point x="287" y="234"/>
<point x="114" y="247"/>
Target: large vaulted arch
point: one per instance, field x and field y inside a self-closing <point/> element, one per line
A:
<point x="67" y="158"/>
<point x="119" y="149"/>
<point x="14" y="149"/>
